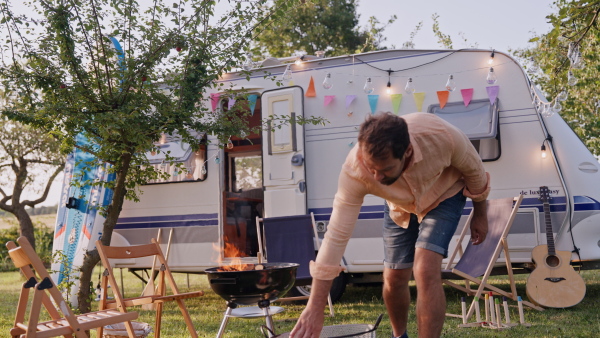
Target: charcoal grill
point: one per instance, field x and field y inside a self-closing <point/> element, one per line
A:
<point x="252" y="287"/>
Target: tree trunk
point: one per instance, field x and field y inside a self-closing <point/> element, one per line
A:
<point x="92" y="258"/>
<point x="25" y="224"/>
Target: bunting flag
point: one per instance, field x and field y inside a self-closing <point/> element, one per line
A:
<point x="328" y="99"/>
<point x="214" y="100"/>
<point x="252" y="101"/>
<point x="311" y="92"/>
<point x="396" y="99"/>
<point x="443" y="97"/>
<point x="467" y="95"/>
<point x="349" y="100"/>
<point x="419" y="98"/>
<point x="373" y="102"/>
<point x="493" y="93"/>
<point x="231" y="102"/>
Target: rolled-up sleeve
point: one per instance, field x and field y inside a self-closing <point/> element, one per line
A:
<point x="346" y="208"/>
<point x="466" y="159"/>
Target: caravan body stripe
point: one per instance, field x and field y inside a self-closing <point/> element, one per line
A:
<point x="170" y="221"/>
<point x="557" y="204"/>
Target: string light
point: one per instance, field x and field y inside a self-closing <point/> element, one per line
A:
<point x="450" y="84"/>
<point x="571" y="79"/>
<point x="491" y="76"/>
<point x="410" y="87"/>
<point x="287" y="75"/>
<point x="544" y="150"/>
<point x="491" y="59"/>
<point x="368" y="88"/>
<point x="327" y="84"/>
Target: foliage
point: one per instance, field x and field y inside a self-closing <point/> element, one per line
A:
<point x="551" y="58"/>
<point x="29" y="160"/>
<point x="64" y="65"/>
<point x="321" y="25"/>
<point x="43" y="237"/>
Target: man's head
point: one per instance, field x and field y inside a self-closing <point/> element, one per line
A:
<point x="384" y="141"/>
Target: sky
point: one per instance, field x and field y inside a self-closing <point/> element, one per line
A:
<point x="500" y="25"/>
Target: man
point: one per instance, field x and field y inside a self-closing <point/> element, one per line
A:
<point x="424" y="168"/>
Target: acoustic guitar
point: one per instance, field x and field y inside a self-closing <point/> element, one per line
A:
<point x="553" y="283"/>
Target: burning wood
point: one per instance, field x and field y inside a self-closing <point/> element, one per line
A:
<point x="231" y="251"/>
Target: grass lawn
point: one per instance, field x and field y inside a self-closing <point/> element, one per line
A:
<point x="360" y="304"/>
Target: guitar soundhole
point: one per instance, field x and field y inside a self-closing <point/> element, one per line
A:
<point x="552" y="261"/>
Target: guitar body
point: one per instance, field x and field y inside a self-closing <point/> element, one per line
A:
<point x="554" y="283"/>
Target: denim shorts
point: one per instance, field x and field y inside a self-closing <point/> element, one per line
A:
<point x="433" y="233"/>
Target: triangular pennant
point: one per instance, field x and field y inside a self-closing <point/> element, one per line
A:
<point x="443" y="97"/>
<point x="396" y="99"/>
<point x="419" y="98"/>
<point x="493" y="93"/>
<point x="373" y="102"/>
<point x="214" y="100"/>
<point x="467" y="95"/>
<point x="252" y="101"/>
<point x="231" y="102"/>
<point x="311" y="92"/>
<point x="349" y="100"/>
<point x="328" y="99"/>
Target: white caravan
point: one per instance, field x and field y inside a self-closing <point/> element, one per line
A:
<point x="294" y="170"/>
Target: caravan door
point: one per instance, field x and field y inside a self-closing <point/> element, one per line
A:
<point x="283" y="153"/>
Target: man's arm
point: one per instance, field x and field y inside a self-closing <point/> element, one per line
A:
<point x="310" y="323"/>
<point x="479" y="222"/>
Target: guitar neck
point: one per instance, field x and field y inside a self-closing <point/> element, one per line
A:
<point x="549" y="234"/>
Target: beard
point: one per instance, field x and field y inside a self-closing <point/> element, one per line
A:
<point x="389" y="180"/>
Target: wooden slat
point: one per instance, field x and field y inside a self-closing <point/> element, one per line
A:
<point x="19" y="257"/>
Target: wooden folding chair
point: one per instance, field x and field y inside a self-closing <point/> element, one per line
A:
<point x="290" y="239"/>
<point x="47" y="294"/>
<point x="477" y="261"/>
<point x="138" y="251"/>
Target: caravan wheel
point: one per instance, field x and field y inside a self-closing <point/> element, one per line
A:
<point x="337" y="289"/>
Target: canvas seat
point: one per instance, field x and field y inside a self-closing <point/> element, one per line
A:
<point x="477" y="261"/>
<point x="64" y="322"/>
<point x="165" y="277"/>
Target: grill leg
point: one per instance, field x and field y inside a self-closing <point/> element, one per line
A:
<point x="230" y="307"/>
<point x="264" y="305"/>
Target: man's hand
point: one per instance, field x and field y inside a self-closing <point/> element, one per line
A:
<point x="310" y="323"/>
<point x="479" y="223"/>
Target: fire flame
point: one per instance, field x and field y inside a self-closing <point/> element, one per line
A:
<point x="230" y="250"/>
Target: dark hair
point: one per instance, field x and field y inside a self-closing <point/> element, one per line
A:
<point x="383" y="134"/>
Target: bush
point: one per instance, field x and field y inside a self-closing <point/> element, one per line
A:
<point x="43" y="239"/>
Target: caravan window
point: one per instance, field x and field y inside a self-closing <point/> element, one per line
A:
<point x="479" y="120"/>
<point x="184" y="165"/>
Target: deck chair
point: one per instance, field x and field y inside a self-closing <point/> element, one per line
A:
<point x="291" y="239"/>
<point x="64" y="322"/>
<point x="164" y="277"/>
<point x="477" y="261"/>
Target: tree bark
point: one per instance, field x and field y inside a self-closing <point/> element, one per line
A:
<point x="92" y="258"/>
<point x="25" y="224"/>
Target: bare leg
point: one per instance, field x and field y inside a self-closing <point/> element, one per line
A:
<point x="396" y="296"/>
<point x="431" y="300"/>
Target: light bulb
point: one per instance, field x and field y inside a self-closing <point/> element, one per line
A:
<point x="571" y="79"/>
<point x="229" y="144"/>
<point x="544" y="151"/>
<point x="577" y="61"/>
<point x="287" y="75"/>
<point x="491" y="77"/>
<point x="217" y="160"/>
<point x="327" y="82"/>
<point x="243" y="134"/>
<point x="557" y="107"/>
<point x="547" y="111"/>
<point x="368" y="88"/>
<point x="299" y="60"/>
<point x="450" y="84"/>
<point x="203" y="171"/>
<point x="410" y="87"/>
<point x="388" y="90"/>
<point x="491" y="59"/>
<point x="562" y="96"/>
<point x="163" y="138"/>
<point x="248" y="64"/>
